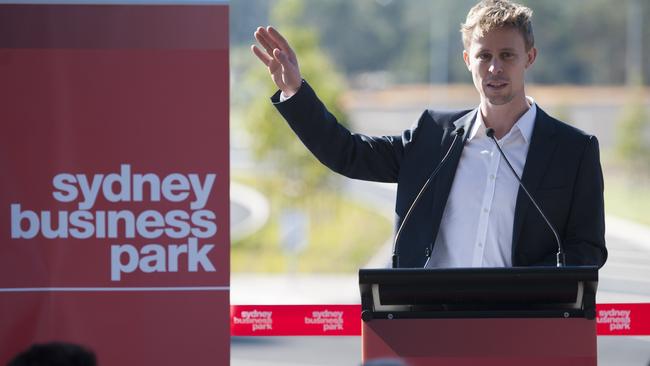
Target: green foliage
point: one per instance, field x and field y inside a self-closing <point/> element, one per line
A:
<point x="272" y="141"/>
<point x="580" y="41"/>
<point x="289" y="175"/>
<point x="627" y="198"/>
<point x="632" y="136"/>
<point x="335" y="241"/>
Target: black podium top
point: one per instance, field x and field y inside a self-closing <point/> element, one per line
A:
<point x="479" y="292"/>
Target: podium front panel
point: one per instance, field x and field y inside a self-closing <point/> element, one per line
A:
<point x="487" y="342"/>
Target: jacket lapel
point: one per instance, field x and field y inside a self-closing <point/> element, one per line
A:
<point x="445" y="178"/>
<point x="542" y="146"/>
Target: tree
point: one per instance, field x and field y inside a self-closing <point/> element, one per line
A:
<point x="272" y="140"/>
<point x="580" y="42"/>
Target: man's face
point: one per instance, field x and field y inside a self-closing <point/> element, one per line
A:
<point x="498" y="61"/>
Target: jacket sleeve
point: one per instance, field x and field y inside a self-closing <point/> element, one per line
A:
<point x="352" y="155"/>
<point x="584" y="236"/>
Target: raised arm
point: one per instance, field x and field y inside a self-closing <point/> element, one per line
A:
<point x="350" y="154"/>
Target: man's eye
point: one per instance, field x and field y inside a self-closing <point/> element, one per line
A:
<point x="507" y="55"/>
<point x="484" y="56"/>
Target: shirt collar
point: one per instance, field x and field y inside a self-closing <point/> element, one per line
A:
<point x="524" y="124"/>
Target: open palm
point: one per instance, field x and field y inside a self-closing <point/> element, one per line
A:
<point x="279" y="58"/>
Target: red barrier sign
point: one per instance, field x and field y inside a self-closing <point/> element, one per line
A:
<point x="623" y="319"/>
<point x="337" y="320"/>
<point x="295" y="320"/>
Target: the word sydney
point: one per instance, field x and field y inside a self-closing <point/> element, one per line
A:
<point x="127" y="187"/>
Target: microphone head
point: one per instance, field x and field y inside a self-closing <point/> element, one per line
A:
<point x="490" y="132"/>
<point x="460" y="131"/>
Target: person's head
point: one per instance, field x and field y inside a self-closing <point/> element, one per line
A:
<point x="499" y="48"/>
<point x="55" y="354"/>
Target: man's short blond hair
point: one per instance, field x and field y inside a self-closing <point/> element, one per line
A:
<point x="493" y="14"/>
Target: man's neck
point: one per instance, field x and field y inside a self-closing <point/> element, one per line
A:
<point x="502" y="117"/>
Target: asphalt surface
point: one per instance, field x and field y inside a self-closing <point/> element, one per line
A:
<point x="340" y="351"/>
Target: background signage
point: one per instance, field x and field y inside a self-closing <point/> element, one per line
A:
<point x="114" y="204"/>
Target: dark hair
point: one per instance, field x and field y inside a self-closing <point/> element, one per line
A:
<point x="55" y="354"/>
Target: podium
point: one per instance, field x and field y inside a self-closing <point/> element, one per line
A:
<point x="529" y="316"/>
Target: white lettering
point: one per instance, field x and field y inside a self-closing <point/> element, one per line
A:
<point x="138" y="187"/>
<point x="17" y="217"/>
<point x="47" y="225"/>
<point x="150" y="219"/>
<point x="203" y="219"/>
<point x="174" y="219"/>
<point x="123" y="181"/>
<point x="201" y="192"/>
<point x="151" y="258"/>
<point x="195" y="257"/>
<point x="83" y="226"/>
<point x="172" y="259"/>
<point x="113" y="223"/>
<point x="117" y="267"/>
<point x="67" y="192"/>
<point x="89" y="192"/>
<point x="155" y="262"/>
<point x="82" y="222"/>
<point x="100" y="224"/>
<point x="175" y="182"/>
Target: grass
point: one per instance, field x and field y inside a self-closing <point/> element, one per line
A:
<point x="343" y="233"/>
<point x="628" y="198"/>
<point x="627" y="189"/>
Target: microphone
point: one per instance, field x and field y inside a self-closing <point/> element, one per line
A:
<point x="560" y="257"/>
<point x="458" y="133"/>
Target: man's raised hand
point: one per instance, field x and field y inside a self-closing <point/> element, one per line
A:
<point x="279" y="58"/>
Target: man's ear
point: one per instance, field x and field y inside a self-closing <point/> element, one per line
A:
<point x="466" y="58"/>
<point x="532" y="55"/>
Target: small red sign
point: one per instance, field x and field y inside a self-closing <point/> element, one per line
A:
<point x="623" y="319"/>
<point x="295" y="320"/>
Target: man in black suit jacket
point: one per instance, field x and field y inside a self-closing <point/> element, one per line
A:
<point x="561" y="165"/>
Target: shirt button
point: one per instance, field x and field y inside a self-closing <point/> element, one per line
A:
<point x="485" y="210"/>
<point x="480" y="245"/>
<point x="492" y="176"/>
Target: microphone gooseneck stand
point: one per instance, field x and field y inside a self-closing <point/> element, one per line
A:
<point x="560" y="257"/>
<point x="458" y="136"/>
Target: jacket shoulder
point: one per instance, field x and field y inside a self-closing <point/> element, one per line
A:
<point x="433" y="120"/>
<point x="445" y="119"/>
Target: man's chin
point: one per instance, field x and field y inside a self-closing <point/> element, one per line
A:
<point x="499" y="99"/>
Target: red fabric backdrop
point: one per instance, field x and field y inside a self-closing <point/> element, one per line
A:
<point x="96" y="93"/>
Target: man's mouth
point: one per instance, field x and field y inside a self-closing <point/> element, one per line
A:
<point x="496" y="84"/>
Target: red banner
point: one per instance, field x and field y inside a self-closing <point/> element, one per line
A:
<point x="114" y="193"/>
<point x="623" y="319"/>
<point x="337" y="320"/>
<point x="295" y="320"/>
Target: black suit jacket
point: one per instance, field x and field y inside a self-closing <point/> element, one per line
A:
<point x="562" y="172"/>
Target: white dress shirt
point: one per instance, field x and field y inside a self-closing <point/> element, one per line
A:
<point x="477" y="223"/>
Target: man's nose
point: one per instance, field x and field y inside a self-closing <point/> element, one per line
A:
<point x="495" y="66"/>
